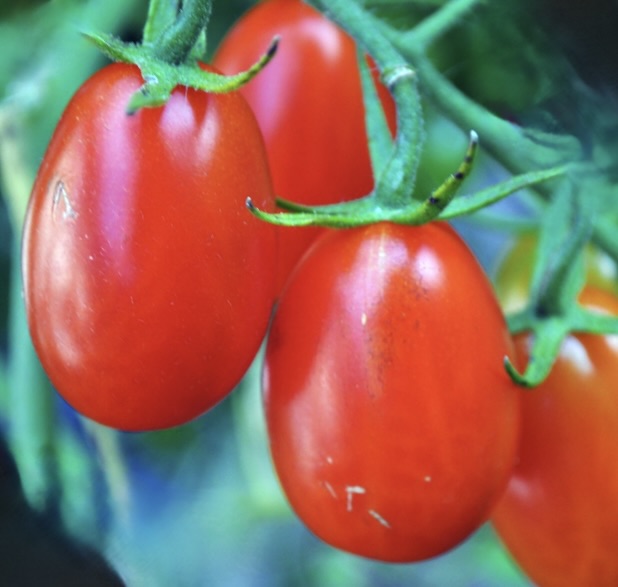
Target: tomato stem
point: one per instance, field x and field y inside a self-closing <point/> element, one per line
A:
<point x="440" y="22"/>
<point x="395" y="183"/>
<point x="175" y="43"/>
<point x="515" y="147"/>
<point x="379" y="138"/>
<point x="161" y="15"/>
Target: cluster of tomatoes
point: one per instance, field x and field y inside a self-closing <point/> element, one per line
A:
<point x="394" y="427"/>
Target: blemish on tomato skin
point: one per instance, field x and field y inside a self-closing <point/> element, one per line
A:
<point x="351" y="490"/>
<point x="61" y="199"/>
<point x="330" y="489"/>
<point x="379" y="518"/>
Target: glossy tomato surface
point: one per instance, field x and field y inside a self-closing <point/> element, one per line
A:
<point x="148" y="285"/>
<point x="392" y="422"/>
<point x="309" y="105"/>
<point x="559" y="516"/>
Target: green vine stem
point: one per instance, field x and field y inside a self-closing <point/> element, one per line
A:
<point x="161" y="15"/>
<point x="395" y="183"/>
<point x="175" y="43"/>
<point x="379" y="139"/>
<point x="515" y="147"/>
<point x="440" y="22"/>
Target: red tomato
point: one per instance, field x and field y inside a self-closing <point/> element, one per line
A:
<point x="559" y="516"/>
<point x="148" y="285"/>
<point x="392" y="422"/>
<point x="309" y="105"/>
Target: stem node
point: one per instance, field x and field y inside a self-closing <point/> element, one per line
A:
<point x="396" y="74"/>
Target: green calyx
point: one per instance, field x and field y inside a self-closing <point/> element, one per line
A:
<point x="174" y="42"/>
<point x="553" y="310"/>
<point x="376" y="207"/>
<point x="441" y="204"/>
<point x="395" y="161"/>
<point x="161" y="76"/>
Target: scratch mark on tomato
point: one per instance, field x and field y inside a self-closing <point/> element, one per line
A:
<point x="350" y="491"/>
<point x="330" y="489"/>
<point x="61" y="196"/>
<point x="379" y="518"/>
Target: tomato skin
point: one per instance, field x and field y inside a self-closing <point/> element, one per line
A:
<point x="559" y="515"/>
<point x="392" y="422"/>
<point x="309" y="105"/>
<point x="148" y="285"/>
